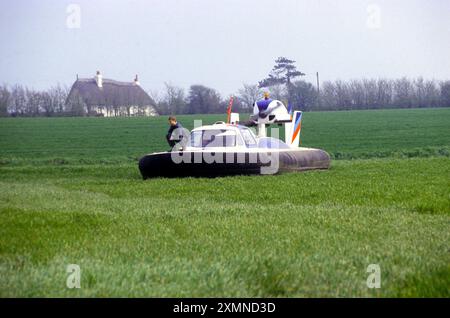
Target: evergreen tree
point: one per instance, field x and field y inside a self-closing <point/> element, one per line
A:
<point x="282" y="73"/>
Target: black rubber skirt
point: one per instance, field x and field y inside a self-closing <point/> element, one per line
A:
<point x="214" y="164"/>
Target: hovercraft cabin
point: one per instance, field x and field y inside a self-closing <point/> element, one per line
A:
<point x="99" y="96"/>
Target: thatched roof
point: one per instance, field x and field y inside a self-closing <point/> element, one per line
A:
<point x="113" y="93"/>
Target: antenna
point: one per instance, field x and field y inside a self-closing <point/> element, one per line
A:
<point x="317" y="76"/>
<point x="318" y="90"/>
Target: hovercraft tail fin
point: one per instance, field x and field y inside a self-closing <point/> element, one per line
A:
<point x="292" y="130"/>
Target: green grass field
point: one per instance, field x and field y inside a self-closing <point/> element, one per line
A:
<point x="346" y="134"/>
<point x="71" y="193"/>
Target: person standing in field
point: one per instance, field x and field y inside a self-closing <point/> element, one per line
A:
<point x="175" y="133"/>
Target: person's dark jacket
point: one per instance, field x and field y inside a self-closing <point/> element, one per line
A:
<point x="172" y="140"/>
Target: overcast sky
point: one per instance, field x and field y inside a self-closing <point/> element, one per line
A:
<point x="221" y="43"/>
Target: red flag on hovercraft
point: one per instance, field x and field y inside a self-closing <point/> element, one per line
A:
<point x="230" y="104"/>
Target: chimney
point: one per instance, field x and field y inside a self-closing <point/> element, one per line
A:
<point x="99" y="79"/>
<point x="136" y="80"/>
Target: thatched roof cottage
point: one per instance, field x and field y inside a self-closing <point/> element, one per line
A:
<point x="106" y="97"/>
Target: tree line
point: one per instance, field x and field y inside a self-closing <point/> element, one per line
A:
<point x="353" y="94"/>
<point x="22" y="101"/>
<point x="331" y="95"/>
<point x="281" y="83"/>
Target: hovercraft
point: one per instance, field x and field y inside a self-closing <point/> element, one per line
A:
<point x="225" y="149"/>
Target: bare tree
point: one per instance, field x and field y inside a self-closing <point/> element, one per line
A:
<point x="278" y="91"/>
<point x="173" y="101"/>
<point x="384" y="92"/>
<point x="303" y="95"/>
<point x="5" y="95"/>
<point x="342" y="93"/>
<point x="34" y="102"/>
<point x="418" y="94"/>
<point x="46" y="103"/>
<point x="431" y="92"/>
<point x="328" y="96"/>
<point x="58" y="95"/>
<point x="357" y="94"/>
<point x="154" y="95"/>
<point x="19" y="102"/>
<point x="403" y="90"/>
<point x="444" y="93"/>
<point x="249" y="94"/>
<point x="371" y="93"/>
